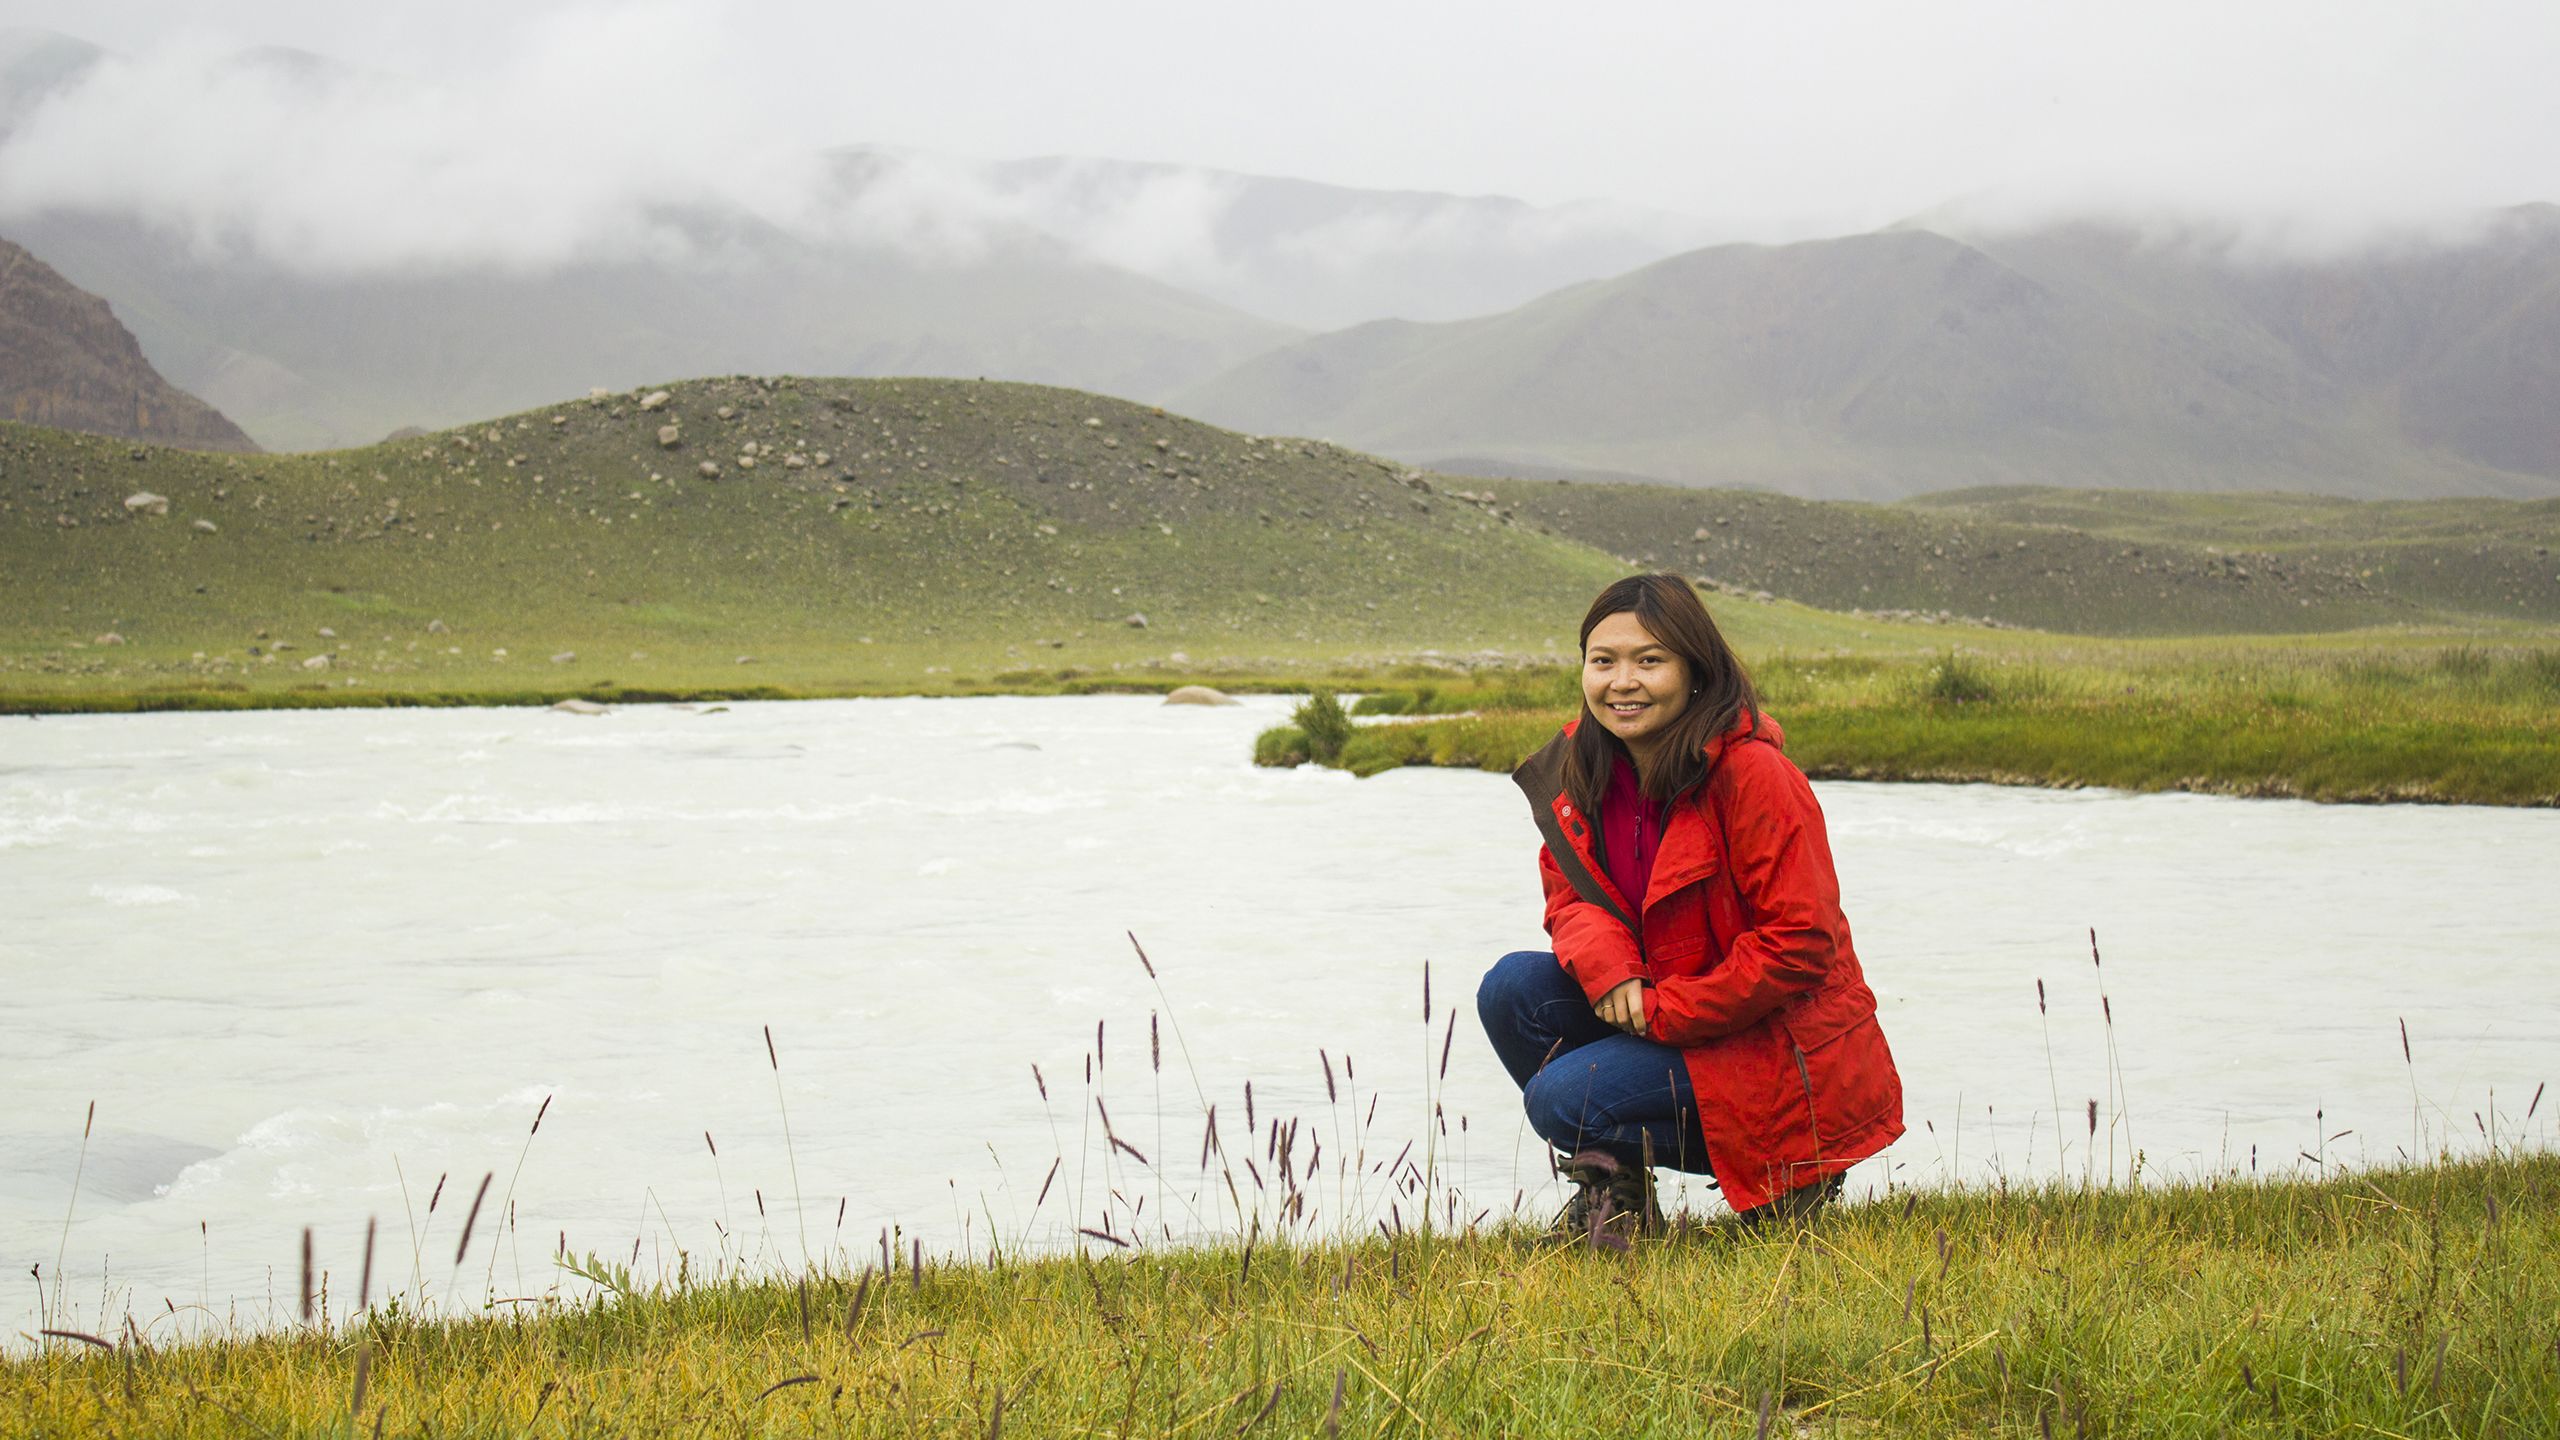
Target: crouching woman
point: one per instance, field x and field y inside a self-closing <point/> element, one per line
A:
<point x="1702" y="1007"/>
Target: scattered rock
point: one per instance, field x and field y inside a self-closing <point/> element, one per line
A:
<point x="1093" y="422"/>
<point x="1136" y="621"/>
<point x="438" y="627"/>
<point x="564" y="657"/>
<point x="316" y="662"/>
<point x="143" y="502"/>
<point x="670" y="437"/>
<point x="727" y="412"/>
<point x="581" y="707"/>
<point x="708" y="470"/>
<point x="746" y="659"/>
<point x="655" y="400"/>
<point x="327" y="634"/>
<point x="110" y="638"/>
<point x="821" y="458"/>
<point x="794" y="462"/>
<point x="206" y="527"/>
<point x="746" y="462"/>
<point x="1200" y="695"/>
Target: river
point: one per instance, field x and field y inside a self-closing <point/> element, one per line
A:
<point x="308" y="964"/>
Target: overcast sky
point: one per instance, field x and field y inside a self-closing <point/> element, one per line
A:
<point x="1770" y="120"/>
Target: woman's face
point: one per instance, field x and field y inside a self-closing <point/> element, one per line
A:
<point x="1632" y="682"/>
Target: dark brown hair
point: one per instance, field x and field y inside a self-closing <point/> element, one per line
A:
<point x="1721" y="694"/>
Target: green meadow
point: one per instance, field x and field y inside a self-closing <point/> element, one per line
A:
<point x="2415" y="1302"/>
<point x="2349" y="717"/>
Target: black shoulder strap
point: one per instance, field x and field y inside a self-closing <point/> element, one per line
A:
<point x="1541" y="778"/>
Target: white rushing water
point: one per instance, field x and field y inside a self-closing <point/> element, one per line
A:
<point x="305" y="964"/>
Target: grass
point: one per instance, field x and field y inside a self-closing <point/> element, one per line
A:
<point x="959" y="538"/>
<point x="2415" y="1302"/>
<point x="2356" y="718"/>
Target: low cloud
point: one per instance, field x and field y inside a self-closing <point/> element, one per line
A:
<point x="646" y="133"/>
<point x="564" y="147"/>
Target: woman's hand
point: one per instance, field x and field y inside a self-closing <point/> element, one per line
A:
<point x="1623" y="1007"/>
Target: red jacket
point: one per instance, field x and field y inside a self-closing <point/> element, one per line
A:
<point x="1746" y="958"/>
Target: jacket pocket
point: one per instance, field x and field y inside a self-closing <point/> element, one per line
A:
<point x="1844" y="1074"/>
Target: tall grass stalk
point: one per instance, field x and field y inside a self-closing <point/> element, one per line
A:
<point x="791" y="1152"/>
<point x="2117" y="1100"/>
<point x="507" y="1205"/>
<point x="62" y="1250"/>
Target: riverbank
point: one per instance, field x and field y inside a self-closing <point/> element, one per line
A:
<point x="2390" y="720"/>
<point x="2412" y="1302"/>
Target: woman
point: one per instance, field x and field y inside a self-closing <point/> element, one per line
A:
<point x="1702" y="1007"/>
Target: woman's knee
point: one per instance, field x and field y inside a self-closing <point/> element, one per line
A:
<point x="1519" y="977"/>
<point x="1561" y="1103"/>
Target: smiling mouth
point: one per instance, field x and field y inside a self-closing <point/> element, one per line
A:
<point x="1629" y="707"/>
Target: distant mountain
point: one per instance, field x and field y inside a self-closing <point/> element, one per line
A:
<point x="311" y="357"/>
<point x="1313" y="255"/>
<point x="65" y="362"/>
<point x="1890" y="364"/>
<point x="1129" y="279"/>
<point x="316" y="361"/>
<point x="36" y="63"/>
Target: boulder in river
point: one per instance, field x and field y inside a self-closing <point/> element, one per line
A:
<point x="1200" y="695"/>
<point x="580" y="707"/>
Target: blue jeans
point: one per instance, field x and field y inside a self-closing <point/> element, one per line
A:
<point x="1586" y="1084"/>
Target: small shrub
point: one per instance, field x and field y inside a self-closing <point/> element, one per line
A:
<point x="1283" y="746"/>
<point x="2541" y="671"/>
<point x="1958" y="679"/>
<point x="1326" y="723"/>
<point x="2463" y="662"/>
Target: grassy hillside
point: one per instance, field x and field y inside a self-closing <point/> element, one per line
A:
<point x="2403" y="1303"/>
<point x="2088" y="561"/>
<point x="1891" y="364"/>
<point x="948" y="535"/>
<point x="883" y="535"/>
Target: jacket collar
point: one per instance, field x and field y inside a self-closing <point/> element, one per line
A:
<point x="1541" y="779"/>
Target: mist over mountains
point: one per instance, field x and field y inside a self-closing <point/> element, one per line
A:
<point x="326" y="254"/>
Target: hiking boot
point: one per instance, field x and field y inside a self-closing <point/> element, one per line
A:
<point x="1612" y="1202"/>
<point x="1796" y="1208"/>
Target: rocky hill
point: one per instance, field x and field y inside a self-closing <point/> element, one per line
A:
<point x="1896" y="363"/>
<point x="904" y="528"/>
<point x="782" y="535"/>
<point x="66" y="362"/>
